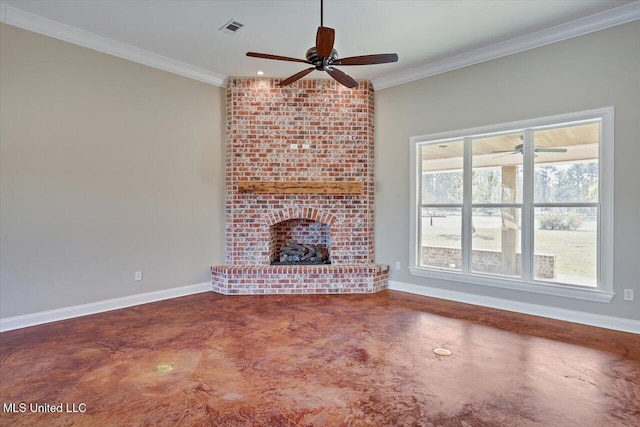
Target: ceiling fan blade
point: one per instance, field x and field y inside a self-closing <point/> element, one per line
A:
<point x="324" y="41"/>
<point x="296" y="76"/>
<point x="277" y="57"/>
<point x="382" y="58"/>
<point x="506" y="154"/>
<point x="341" y="77"/>
<point x="550" y="150"/>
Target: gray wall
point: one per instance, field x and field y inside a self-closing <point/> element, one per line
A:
<point x="107" y="167"/>
<point x="591" y="71"/>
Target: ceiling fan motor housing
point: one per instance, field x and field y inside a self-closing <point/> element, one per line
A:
<point x="315" y="59"/>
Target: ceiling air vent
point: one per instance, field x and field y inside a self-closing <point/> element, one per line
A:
<point x="231" y="27"/>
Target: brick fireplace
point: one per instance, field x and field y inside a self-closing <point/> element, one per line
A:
<point x="299" y="168"/>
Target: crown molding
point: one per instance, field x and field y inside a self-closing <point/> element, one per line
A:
<point x="600" y="21"/>
<point x="38" y="24"/>
<point x="578" y="27"/>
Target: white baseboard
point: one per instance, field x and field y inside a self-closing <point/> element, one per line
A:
<point x="599" y="320"/>
<point x="608" y="322"/>
<point x="17" y="322"/>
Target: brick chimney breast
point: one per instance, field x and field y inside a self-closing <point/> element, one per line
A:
<point x="304" y="152"/>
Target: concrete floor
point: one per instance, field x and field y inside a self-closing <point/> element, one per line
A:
<point x="318" y="360"/>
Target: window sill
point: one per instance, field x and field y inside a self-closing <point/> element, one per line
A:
<point x="566" y="291"/>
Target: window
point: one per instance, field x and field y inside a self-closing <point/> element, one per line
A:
<point x="525" y="205"/>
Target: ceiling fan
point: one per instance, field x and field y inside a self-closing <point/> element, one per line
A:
<point x="518" y="149"/>
<point x="323" y="57"/>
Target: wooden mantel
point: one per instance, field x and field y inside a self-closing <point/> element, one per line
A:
<point x="300" y="187"/>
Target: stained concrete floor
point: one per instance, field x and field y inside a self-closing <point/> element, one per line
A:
<point x="328" y="360"/>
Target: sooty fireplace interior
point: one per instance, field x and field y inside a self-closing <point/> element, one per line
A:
<point x="300" y="242"/>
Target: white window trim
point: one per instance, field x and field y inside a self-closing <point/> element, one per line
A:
<point x="604" y="291"/>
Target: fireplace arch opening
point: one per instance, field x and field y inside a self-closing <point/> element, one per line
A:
<point x="300" y="241"/>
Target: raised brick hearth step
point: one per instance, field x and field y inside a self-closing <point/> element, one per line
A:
<point x="299" y="279"/>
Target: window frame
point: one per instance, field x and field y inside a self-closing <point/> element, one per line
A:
<point x="603" y="291"/>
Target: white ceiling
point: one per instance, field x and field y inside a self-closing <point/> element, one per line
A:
<point x="426" y="34"/>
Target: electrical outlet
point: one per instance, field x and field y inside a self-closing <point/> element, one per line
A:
<point x="293" y="146"/>
<point x="628" y="294"/>
<point x="397" y="265"/>
<point x="137" y="276"/>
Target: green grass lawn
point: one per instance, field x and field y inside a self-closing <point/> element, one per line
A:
<point x="575" y="250"/>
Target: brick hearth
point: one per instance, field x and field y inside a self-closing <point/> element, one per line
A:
<point x="304" y="279"/>
<point x="314" y="132"/>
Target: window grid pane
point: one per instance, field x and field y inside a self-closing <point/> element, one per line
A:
<point x="497" y="168"/>
<point x="566" y="164"/>
<point x="441" y="238"/>
<point x="496" y="241"/>
<point x="441" y="166"/>
<point x="565" y="245"/>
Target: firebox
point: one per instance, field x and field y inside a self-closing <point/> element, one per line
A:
<point x="300" y="241"/>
